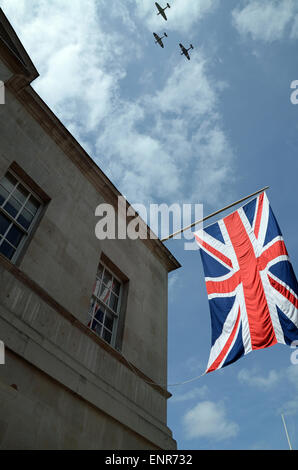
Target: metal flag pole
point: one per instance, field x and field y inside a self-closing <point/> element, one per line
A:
<point x="289" y="442"/>
<point x="214" y="213"/>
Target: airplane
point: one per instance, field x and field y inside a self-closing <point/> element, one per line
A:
<point x="159" y="39"/>
<point x="185" y="51"/>
<point x="161" y="11"/>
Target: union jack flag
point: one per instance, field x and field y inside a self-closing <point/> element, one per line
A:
<point x="252" y="288"/>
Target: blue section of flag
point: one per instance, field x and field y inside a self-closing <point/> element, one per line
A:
<point x="289" y="329"/>
<point x="215" y="232"/>
<point x="249" y="210"/>
<point x="237" y="350"/>
<point x="220" y="308"/>
<point x="273" y="229"/>
<point x="212" y="268"/>
<point x="285" y="272"/>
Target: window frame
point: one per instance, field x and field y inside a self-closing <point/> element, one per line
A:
<point x="27" y="233"/>
<point x="97" y="300"/>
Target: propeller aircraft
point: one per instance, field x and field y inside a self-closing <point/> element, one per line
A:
<point x="158" y="39"/>
<point x="185" y="51"/>
<point x="161" y="11"/>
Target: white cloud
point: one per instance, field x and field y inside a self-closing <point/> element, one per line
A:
<point x="251" y="378"/>
<point x="209" y="420"/>
<point x="292" y="375"/>
<point x="193" y="365"/>
<point x="290" y="407"/>
<point x="182" y="16"/>
<point x="294" y="30"/>
<point x="136" y="157"/>
<point x="173" y="280"/>
<point x="171" y="141"/>
<point x="264" y="20"/>
<point x="288" y="377"/>
<point x="187" y="91"/>
<point x="199" y="392"/>
<point x="79" y="64"/>
<point x="165" y="145"/>
<point x="268" y="22"/>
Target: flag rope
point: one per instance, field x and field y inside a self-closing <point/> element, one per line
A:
<point x="159" y="384"/>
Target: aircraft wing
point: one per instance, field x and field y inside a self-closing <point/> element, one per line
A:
<point x="161" y="11"/>
<point x="158" y="39"/>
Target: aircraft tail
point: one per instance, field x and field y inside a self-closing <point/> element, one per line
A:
<point x="166" y="35"/>
<point x="168" y="5"/>
<point x="191" y="46"/>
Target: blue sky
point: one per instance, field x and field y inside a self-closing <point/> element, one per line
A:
<point x="208" y="131"/>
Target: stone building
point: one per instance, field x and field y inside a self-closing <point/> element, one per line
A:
<point x="84" y="321"/>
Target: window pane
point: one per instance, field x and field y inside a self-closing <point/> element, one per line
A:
<point x="92" y="303"/>
<point x="89" y="320"/>
<point x="99" y="313"/>
<point x="96" y="288"/>
<point x="116" y="287"/>
<point x="100" y="271"/>
<point x="113" y="302"/>
<point x="104" y="294"/>
<point x="7" y="250"/>
<point x="109" y="322"/>
<point x="92" y="324"/>
<point x="3" y="195"/>
<point x="106" y="301"/>
<point x="9" y="182"/>
<point x="32" y="205"/>
<point x="12" y="206"/>
<point x="107" y="336"/>
<point x="107" y="278"/>
<point x="14" y="236"/>
<point x="4" y="224"/>
<point x="21" y="194"/>
<point x="96" y="327"/>
<point x="25" y="219"/>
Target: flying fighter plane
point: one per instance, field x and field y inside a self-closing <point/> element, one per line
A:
<point x="159" y="39"/>
<point x="161" y="11"/>
<point x="185" y="51"/>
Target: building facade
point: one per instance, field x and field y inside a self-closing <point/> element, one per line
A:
<point x="84" y="321"/>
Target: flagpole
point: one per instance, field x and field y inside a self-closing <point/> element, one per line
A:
<point x="289" y="442"/>
<point x="214" y="213"/>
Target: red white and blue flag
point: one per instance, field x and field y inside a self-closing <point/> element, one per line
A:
<point x="252" y="288"/>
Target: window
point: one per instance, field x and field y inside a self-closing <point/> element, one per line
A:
<point x="104" y="308"/>
<point x="19" y="209"/>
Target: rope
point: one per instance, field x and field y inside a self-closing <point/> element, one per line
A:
<point x="159" y="384"/>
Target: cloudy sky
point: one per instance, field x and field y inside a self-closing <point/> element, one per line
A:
<point x="207" y="131"/>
